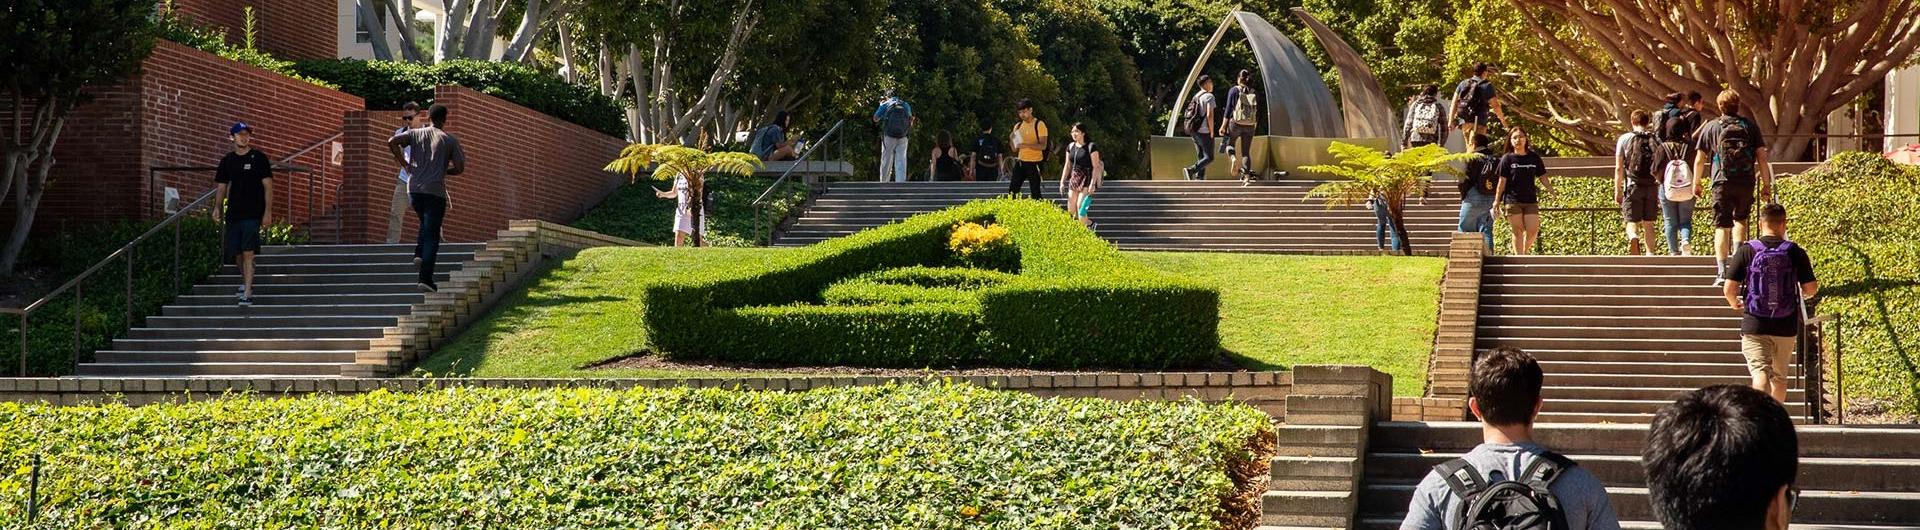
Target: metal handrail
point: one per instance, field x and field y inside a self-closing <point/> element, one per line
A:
<point x="1813" y="339"/>
<point x="759" y="204"/>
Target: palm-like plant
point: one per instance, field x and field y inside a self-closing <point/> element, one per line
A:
<point x="666" y="161"/>
<point x="1369" y="173"/>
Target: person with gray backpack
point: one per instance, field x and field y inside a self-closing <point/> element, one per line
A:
<point x="1426" y="120"/>
<point x="1768" y="282"/>
<point x="896" y="121"/>
<point x="1738" y="152"/>
<point x="1509" y="482"/>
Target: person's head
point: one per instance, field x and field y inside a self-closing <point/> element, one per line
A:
<point x="1773" y="220"/>
<point x="1431" y="90"/>
<point x="1517" y="140"/>
<point x="944" y="141"/>
<point x="782" y="119"/>
<point x="1205" y="82"/>
<point x="1478" y="141"/>
<point x="1640" y="119"/>
<point x="411" y="117"/>
<point x="1026" y="109"/>
<point x="1080" y="133"/>
<point x="1482" y="69"/>
<point x="1504" y="388"/>
<point x="1246" y="78"/>
<point x="889" y="94"/>
<point x="1729" y="102"/>
<point x="1721" y="457"/>
<point x="439" y="116"/>
<point x="241" y="134"/>
<point x="1695" y="100"/>
<point x="1674" y="98"/>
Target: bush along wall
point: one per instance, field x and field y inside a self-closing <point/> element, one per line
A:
<point x="391" y="84"/>
<point x="1075" y="302"/>
<point x="934" y="456"/>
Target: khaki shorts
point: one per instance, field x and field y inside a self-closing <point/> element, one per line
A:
<point x="1522" y="208"/>
<point x="1767" y="354"/>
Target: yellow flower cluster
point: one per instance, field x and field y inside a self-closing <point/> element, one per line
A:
<point x="970" y="239"/>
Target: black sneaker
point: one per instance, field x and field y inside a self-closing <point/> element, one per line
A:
<point x="246" y="301"/>
<point x="428" y="287"/>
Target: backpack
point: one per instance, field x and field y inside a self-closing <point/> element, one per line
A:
<point x="1772" y="289"/>
<point x="1045" y="151"/>
<point x="1526" y="504"/>
<point x="1736" y="150"/>
<point x="1247" y="110"/>
<point x="1479" y="174"/>
<point x="1426" y="120"/>
<point x="986" y="149"/>
<point x="1473" y="94"/>
<point x="1638" y="157"/>
<point x="895" y="120"/>
<point x="1196" y="118"/>
<point x="1666" y="120"/>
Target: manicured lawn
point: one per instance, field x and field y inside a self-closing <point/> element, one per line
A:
<point x="1277" y="311"/>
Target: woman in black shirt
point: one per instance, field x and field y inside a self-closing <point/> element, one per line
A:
<point x="1523" y="176"/>
<point x="945" y="165"/>
<point x="1082" y="174"/>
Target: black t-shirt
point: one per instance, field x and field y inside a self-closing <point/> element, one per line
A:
<point x="986" y="149"/>
<point x="1479" y="174"/>
<point x="1737" y="272"/>
<point x="245" y="177"/>
<point x="1081" y="156"/>
<point x="1521" y="171"/>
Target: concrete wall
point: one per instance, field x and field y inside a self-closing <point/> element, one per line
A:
<point x="1171" y="154"/>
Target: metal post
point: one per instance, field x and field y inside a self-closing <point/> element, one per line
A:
<point x="23" y="344"/>
<point x="132" y="254"/>
<point x="77" y="302"/>
<point x="33" y="491"/>
<point x="176" y="257"/>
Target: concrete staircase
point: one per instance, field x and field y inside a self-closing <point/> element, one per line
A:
<point x="1849" y="477"/>
<point x="1618" y="336"/>
<point x="313" y="308"/>
<point x="1152" y="215"/>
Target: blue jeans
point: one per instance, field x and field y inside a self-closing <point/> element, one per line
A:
<point x="1383" y="231"/>
<point x="1679" y="223"/>
<point x="1476" y="214"/>
<point x="1204" y="144"/>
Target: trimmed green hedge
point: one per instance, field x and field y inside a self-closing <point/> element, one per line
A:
<point x="938" y="456"/>
<point x="1075" y="304"/>
<point x="390" y="84"/>
<point x="912" y="285"/>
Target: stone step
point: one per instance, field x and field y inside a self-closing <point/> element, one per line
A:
<point x="255" y="321"/>
<point x="1317" y="440"/>
<point x="1662" y="394"/>
<point x="1607" y="300"/>
<point x="1617" y="344"/>
<point x="1688" y="280"/>
<point x="1565" y="307"/>
<point x="329" y="258"/>
<point x="1835" y="474"/>
<point x="303" y="299"/>
<point x="274" y="289"/>
<point x="1553" y="408"/>
<point x="261" y="278"/>
<point x="1693" y="289"/>
<point x="405" y="248"/>
<point x="1816" y="441"/>
<point x="344" y="268"/>
<point x="1731" y="333"/>
<point x="1613" y="321"/>
<point x="1630" y="503"/>
<point x="225" y="357"/>
<point x="1306" y="508"/>
<point x="231" y="310"/>
<point x="1602" y="269"/>
<point x="1600" y="261"/>
<point x="1628" y="380"/>
<point x="1604" y="367"/>
<point x="258" y="331"/>
<point x="242" y="344"/>
<point x="247" y="369"/>
<point x="1640" y="357"/>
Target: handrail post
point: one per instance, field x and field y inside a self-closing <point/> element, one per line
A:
<point x="131" y="255"/>
<point x="23" y="343"/>
<point x="77" y="301"/>
<point x="176" y="257"/>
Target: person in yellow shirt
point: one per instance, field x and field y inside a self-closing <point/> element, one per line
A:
<point x="1031" y="147"/>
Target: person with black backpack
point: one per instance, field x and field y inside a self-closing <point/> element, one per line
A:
<point x="1768" y="282"/>
<point x="1635" y="188"/>
<point x="1477" y="186"/>
<point x="1508" y="482"/>
<point x="984" y="162"/>
<point x="1030" y="147"/>
<point x="1738" y="152"/>
<point x="1200" y="122"/>
<point x="896" y="121"/>
<point x="1475" y="100"/>
<point x="1426" y="121"/>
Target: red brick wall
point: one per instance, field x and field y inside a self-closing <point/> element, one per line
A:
<point x="289" y="29"/>
<point x="521" y="164"/>
<point x="176" y="112"/>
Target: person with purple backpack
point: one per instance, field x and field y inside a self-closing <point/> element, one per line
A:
<point x="1768" y="282"/>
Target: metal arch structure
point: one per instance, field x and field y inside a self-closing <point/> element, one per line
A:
<point x="1298" y="101"/>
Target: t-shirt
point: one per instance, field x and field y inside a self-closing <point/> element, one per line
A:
<point x="1788" y="326"/>
<point x="1202" y="104"/>
<point x="1620" y="147"/>
<point x="1521" y="171"/>
<point x="768" y="139"/>
<point x="433" y="150"/>
<point x="245" y="177"/>
<point x="1081" y="156"/>
<point x="1582" y="497"/>
<point x="1710" y="142"/>
<point x="1034" y="131"/>
<point x="1683" y="125"/>
<point x="986" y="149"/>
<point x="1479" y="175"/>
<point x="405" y="154"/>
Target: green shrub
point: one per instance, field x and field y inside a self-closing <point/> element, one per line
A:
<point x="174" y="26"/>
<point x="915" y="285"/>
<point x="391" y="84"/>
<point x="1599" y="232"/>
<point x="938" y="456"/>
<point x="633" y="212"/>
<point x="1076" y="303"/>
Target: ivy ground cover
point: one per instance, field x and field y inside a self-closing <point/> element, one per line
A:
<point x="932" y="455"/>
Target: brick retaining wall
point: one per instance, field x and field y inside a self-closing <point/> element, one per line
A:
<point x="289" y="29"/>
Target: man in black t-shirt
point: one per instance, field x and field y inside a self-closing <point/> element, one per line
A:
<point x="1767" y="341"/>
<point x="984" y="161"/>
<point x="246" y="188"/>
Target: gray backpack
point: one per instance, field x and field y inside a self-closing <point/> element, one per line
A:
<point x="895" y="120"/>
<point x="1523" y="504"/>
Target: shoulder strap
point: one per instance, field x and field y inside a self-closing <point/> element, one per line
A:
<point x="1461" y="477"/>
<point x="1545" y="469"/>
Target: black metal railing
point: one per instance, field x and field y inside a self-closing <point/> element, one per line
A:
<point x="763" y="228"/>
<point x="1825" y="404"/>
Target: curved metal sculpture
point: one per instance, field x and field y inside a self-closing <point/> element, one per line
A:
<point x="1365" y="105"/>
<point x="1298" y="101"/>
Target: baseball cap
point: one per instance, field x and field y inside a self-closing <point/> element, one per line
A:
<point x="239" y="126"/>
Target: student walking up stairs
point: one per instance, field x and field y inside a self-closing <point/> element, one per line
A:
<point x="313" y="308"/>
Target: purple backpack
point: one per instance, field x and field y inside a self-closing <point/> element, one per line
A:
<point x="1772" y="290"/>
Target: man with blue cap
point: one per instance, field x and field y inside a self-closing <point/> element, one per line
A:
<point x="246" y="188"/>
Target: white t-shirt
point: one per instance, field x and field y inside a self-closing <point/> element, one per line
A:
<point x="406" y="153"/>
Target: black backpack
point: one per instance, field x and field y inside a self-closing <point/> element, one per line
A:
<point x="1479" y="174"/>
<point x="1195" y="116"/>
<point x="1639" y="158"/>
<point x="1737" y="150"/>
<point x="1524" y="504"/>
<point x="896" y="120"/>
<point x="1666" y="123"/>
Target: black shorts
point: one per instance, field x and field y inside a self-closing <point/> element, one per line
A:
<point x="1642" y="203"/>
<point x="1732" y="201"/>
<point x="1472" y="115"/>
<point x="241" y="235"/>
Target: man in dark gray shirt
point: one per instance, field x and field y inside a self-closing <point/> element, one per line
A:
<point x="436" y="155"/>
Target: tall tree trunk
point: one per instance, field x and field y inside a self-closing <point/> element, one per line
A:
<point x="374" y="23"/>
<point x="31" y="178"/>
<point x="566" y="51"/>
<point x="697" y="185"/>
<point x="403" y="22"/>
